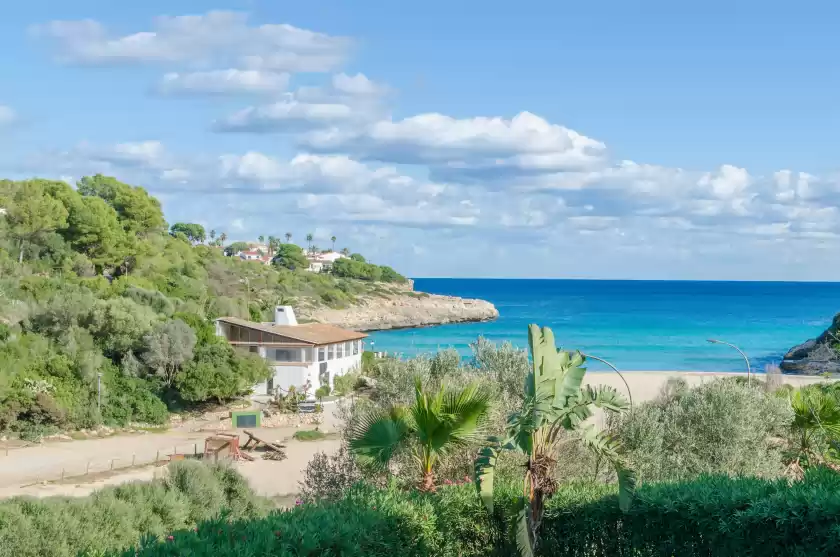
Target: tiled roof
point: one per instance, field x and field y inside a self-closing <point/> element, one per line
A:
<point x="312" y="333"/>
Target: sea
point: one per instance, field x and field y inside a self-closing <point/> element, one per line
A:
<point x="636" y="325"/>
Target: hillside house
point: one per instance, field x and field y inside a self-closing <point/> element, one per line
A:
<point x="255" y="255"/>
<point x="322" y="262"/>
<point x="313" y="353"/>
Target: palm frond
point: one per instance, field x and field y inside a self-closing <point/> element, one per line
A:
<point x="376" y="435"/>
<point x="608" y="398"/>
<point x="467" y="410"/>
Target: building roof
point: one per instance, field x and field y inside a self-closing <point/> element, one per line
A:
<point x="311" y="333"/>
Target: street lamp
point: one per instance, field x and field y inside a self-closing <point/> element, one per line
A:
<point x="747" y="360"/>
<point x="615" y="369"/>
<point x="99" y="393"/>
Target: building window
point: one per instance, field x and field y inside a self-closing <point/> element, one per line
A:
<point x="287" y="355"/>
<point x="339" y="350"/>
<point x="254" y="349"/>
<point x="307" y="354"/>
<point x="348" y="349"/>
<point x="356" y="347"/>
<point x="330" y="352"/>
<point x="322" y="354"/>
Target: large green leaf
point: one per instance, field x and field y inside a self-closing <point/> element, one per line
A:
<point x="524" y="541"/>
<point x="485" y="473"/>
<point x="626" y="486"/>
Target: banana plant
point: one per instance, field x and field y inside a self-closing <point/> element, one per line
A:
<point x="555" y="401"/>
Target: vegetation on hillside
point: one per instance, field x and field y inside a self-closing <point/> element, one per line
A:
<point x="96" y="288"/>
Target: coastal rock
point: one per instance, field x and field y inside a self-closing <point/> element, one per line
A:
<point x="405" y="309"/>
<point x="815" y="356"/>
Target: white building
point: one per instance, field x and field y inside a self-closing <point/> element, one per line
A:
<point x="255" y="255"/>
<point x="313" y="353"/>
<point x="319" y="262"/>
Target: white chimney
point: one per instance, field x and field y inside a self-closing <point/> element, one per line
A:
<point x="284" y="315"/>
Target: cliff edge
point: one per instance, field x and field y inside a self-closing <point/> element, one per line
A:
<point x="403" y="309"/>
<point x="817" y="355"/>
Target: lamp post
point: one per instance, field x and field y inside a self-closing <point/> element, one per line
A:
<point x="747" y="360"/>
<point x="615" y="369"/>
<point x="99" y="393"/>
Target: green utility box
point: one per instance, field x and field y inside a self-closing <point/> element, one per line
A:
<point x="246" y="418"/>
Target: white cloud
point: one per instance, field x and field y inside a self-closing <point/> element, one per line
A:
<point x="285" y="116"/>
<point x="466" y="148"/>
<point x="7" y="115"/>
<point x="349" y="102"/>
<point x="223" y="82"/>
<point x="217" y="37"/>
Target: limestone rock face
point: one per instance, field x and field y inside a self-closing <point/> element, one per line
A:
<point x="404" y="310"/>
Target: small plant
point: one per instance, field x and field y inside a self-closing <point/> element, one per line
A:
<point x="309" y="435"/>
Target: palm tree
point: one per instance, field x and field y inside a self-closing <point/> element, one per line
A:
<point x="288" y="237"/>
<point x="309" y="239"/>
<point x="261" y="238"/>
<point x="432" y="427"/>
<point x="333" y="242"/>
<point x="345" y="252"/>
<point x="213" y="234"/>
<point x="272" y="245"/>
<point x="815" y="428"/>
<point x="223" y="237"/>
<point x="554" y="401"/>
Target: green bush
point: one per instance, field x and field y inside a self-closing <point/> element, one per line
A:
<point x="116" y="518"/>
<point x="721" y="427"/>
<point x="713" y="516"/>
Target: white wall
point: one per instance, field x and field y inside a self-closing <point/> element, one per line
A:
<point x="287" y="375"/>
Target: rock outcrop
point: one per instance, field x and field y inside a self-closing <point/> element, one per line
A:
<point x="815" y="356"/>
<point x="404" y="310"/>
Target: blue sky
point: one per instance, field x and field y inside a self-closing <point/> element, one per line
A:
<point x="642" y="139"/>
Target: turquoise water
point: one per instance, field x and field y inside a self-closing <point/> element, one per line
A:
<point x="637" y="325"/>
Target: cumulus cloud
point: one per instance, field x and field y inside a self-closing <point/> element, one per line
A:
<point x="215" y="38"/>
<point x="223" y="82"/>
<point x="351" y="101"/>
<point x="470" y="147"/>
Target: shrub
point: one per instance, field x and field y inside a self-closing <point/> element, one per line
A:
<point x="719" y="427"/>
<point x="309" y="435"/>
<point x="115" y="518"/>
<point x="711" y="516"/>
<point x="345" y="384"/>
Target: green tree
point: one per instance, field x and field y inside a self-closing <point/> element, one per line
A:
<point x="222" y="237"/>
<point x="193" y="232"/>
<point x="218" y="372"/>
<point x="169" y="346"/>
<point x="390" y="275"/>
<point x="309" y="238"/>
<point x="288" y="237"/>
<point x="212" y="233"/>
<point x="433" y="426"/>
<point x="815" y="431"/>
<point x="139" y="212"/>
<point x="94" y="229"/>
<point x="345" y="252"/>
<point x="291" y="257"/>
<point x="554" y="401"/>
<point x="333" y="239"/>
<point x="235" y="248"/>
<point x="261" y="238"/>
<point x="118" y="325"/>
<point x="358" y="257"/>
<point x="31" y="212"/>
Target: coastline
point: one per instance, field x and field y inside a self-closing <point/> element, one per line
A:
<point x="405" y="309"/>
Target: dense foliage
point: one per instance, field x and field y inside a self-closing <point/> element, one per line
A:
<point x="93" y="283"/>
<point x="362" y="270"/>
<point x="115" y="518"/>
<point x="723" y="426"/>
<point x="709" y="516"/>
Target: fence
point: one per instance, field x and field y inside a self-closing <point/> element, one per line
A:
<point x="102" y="468"/>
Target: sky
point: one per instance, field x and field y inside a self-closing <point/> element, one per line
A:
<point x="603" y="139"/>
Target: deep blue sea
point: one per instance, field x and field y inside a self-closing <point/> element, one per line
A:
<point x="637" y="325"/>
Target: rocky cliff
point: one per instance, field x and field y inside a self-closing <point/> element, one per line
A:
<point x="817" y="355"/>
<point x="404" y="309"/>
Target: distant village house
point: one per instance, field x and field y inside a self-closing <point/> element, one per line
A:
<point x="322" y="262"/>
<point x="313" y="353"/>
